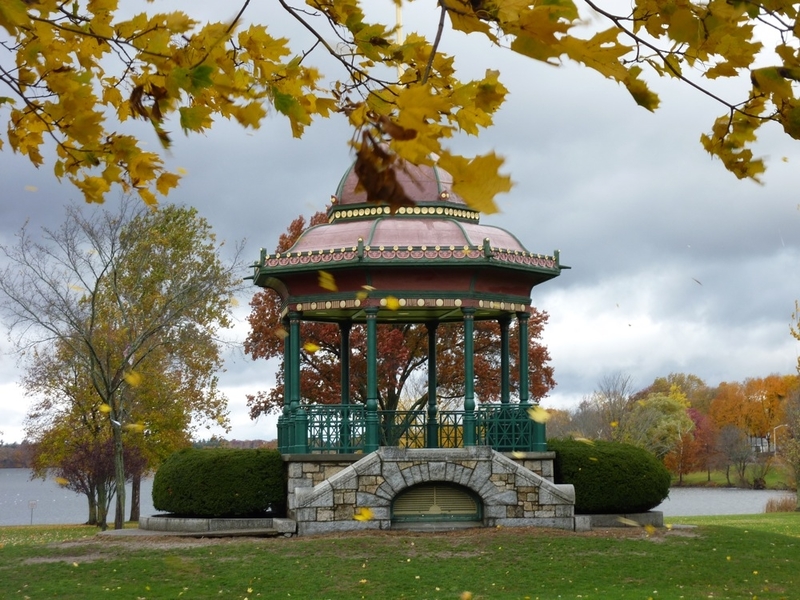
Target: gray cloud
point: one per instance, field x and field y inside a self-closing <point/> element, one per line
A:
<point x="631" y="199"/>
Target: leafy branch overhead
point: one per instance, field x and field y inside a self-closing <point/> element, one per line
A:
<point x="72" y="72"/>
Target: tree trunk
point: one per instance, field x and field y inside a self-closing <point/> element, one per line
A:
<point x="91" y="496"/>
<point x="136" y="492"/>
<point x="102" y="507"/>
<point x="119" y="472"/>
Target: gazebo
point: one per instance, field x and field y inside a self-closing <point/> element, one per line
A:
<point x="353" y="466"/>
<point x="429" y="263"/>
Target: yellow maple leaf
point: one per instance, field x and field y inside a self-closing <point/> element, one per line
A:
<point x="104" y="408"/>
<point x="62" y="481"/>
<point x="392" y="303"/>
<point x="364" y="514"/>
<point x="326" y="281"/>
<point x="133" y="378"/>
<point x="135" y="427"/>
<point x="477" y="180"/>
<point x="310" y="347"/>
<point x="281" y="333"/>
<point x="538" y="414"/>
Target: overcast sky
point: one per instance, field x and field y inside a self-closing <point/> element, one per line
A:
<point x="676" y="265"/>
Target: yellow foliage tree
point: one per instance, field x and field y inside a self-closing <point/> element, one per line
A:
<point x="74" y="71"/>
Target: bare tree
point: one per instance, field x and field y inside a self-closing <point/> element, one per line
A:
<point x="734" y="451"/>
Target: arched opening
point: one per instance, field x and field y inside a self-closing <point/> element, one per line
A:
<point x="437" y="503"/>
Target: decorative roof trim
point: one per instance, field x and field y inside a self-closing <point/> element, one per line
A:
<point x="365" y="211"/>
<point x="408" y="253"/>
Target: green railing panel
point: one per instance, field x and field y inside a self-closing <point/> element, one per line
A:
<point x="404" y="428"/>
<point x="504" y="427"/>
<point x="335" y="428"/>
<point x="451" y="429"/>
<point x="341" y="428"/>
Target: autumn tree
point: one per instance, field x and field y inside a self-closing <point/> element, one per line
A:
<point x="74" y="73"/>
<point x="402" y="352"/>
<point x="135" y="297"/>
<point x="698" y="394"/>
<point x="705" y="435"/>
<point x="755" y="405"/>
<point x="658" y="422"/>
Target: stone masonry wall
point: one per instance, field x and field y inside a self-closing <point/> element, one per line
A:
<point x="326" y="492"/>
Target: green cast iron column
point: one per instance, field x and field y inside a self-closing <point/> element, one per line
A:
<point x="372" y="441"/>
<point x="344" y="363"/>
<point x="285" y="422"/>
<point x="432" y="427"/>
<point x="469" y="376"/>
<point x="524" y="385"/>
<point x="505" y="387"/>
<point x="298" y="413"/>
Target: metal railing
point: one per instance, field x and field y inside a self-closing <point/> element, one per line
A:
<point x="346" y="428"/>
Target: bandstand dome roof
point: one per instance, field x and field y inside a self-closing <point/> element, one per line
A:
<point x="434" y="257"/>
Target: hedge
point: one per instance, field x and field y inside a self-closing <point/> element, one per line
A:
<point x="221" y="482"/>
<point x="610" y="477"/>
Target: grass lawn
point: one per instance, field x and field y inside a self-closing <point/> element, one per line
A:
<point x="754" y="556"/>
<point x="778" y="478"/>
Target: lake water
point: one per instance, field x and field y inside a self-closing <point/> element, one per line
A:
<point x="24" y="501"/>
<point x="55" y="505"/>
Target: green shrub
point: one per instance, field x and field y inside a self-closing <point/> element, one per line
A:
<point x="610" y="477"/>
<point x="221" y="482"/>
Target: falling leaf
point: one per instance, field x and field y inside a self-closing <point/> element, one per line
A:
<point x="310" y="347"/>
<point x="649" y="529"/>
<point x="77" y="288"/>
<point x="518" y="454"/>
<point x="135" y="427"/>
<point x="593" y="458"/>
<point x="182" y="171"/>
<point x="465" y="596"/>
<point x="133" y="378"/>
<point x="368" y="288"/>
<point x="538" y="414"/>
<point x="74" y="564"/>
<point x="363" y="514"/>
<point x="31" y="188"/>
<point x="62" y="481"/>
<point x="629" y="522"/>
<point x="614" y="424"/>
<point x="584" y="440"/>
<point x="234" y="302"/>
<point x="326" y="281"/>
<point x="105" y="408"/>
<point x="362" y="581"/>
<point x="392" y="303"/>
<point x="361" y="296"/>
<point x="281" y="333"/>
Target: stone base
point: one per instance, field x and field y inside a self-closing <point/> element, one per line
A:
<point x="202" y="525"/>
<point x="653" y="518"/>
<point x="327" y="495"/>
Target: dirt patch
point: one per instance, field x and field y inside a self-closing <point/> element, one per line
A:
<point x="106" y="545"/>
<point x="75" y="560"/>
